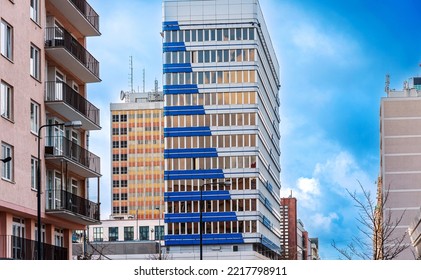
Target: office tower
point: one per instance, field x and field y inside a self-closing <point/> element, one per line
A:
<point x="45" y="123"/>
<point x="222" y="155"/>
<point x="137" y="135"/>
<point x="400" y="162"/>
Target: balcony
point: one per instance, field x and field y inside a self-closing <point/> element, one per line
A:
<point x="67" y="51"/>
<point x="18" y="248"/>
<point x="61" y="98"/>
<point x="80" y="14"/>
<point x="72" y="207"/>
<point x="78" y="160"/>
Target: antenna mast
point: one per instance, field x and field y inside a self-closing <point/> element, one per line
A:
<point x="131" y="74"/>
<point x="143" y="79"/>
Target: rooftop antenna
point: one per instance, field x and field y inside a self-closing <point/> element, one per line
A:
<point x="131" y="74"/>
<point x="143" y="80"/>
<point x="387" y="86"/>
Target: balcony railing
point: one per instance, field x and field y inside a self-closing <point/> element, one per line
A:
<point x="57" y="37"/>
<point x="18" y="248"/>
<point x="88" y="12"/>
<point x="61" y="146"/>
<point x="64" y="200"/>
<point x="61" y="92"/>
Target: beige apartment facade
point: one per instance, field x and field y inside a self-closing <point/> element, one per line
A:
<point x="45" y="122"/>
<point x="400" y="162"/>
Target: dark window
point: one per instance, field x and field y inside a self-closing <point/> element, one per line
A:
<point x="112" y="233"/>
<point x="128" y="233"/>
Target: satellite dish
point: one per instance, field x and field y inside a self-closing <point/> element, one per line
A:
<point x="122" y="95"/>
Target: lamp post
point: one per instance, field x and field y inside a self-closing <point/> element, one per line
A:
<point x="159" y="230"/>
<point x="66" y="124"/>
<point x="201" y="212"/>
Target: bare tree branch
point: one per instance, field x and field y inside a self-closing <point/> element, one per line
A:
<point x="377" y="228"/>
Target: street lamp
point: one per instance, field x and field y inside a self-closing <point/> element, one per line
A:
<point x="201" y="212"/>
<point x="159" y="230"/>
<point x="75" y="124"/>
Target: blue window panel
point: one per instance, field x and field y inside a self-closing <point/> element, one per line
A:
<point x="195" y="196"/>
<point x="180" y="89"/>
<point x="174" y="47"/>
<point x="184" y="110"/>
<point x="187" y="131"/>
<point x="170" y="25"/>
<point x="177" y="67"/>
<point x="195" y="217"/>
<point x="190" y="153"/>
<point x="207" y="239"/>
<point x="194" y="174"/>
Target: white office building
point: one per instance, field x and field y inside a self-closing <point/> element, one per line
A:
<point x="221" y="108"/>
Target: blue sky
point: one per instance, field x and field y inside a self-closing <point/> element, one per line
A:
<point x="334" y="56"/>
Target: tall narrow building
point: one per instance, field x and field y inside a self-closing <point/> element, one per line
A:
<point x="222" y="154"/>
<point x="137" y="136"/>
<point x="400" y="165"/>
<point x="45" y="122"/>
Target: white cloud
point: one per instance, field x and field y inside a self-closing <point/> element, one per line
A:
<point x="323" y="222"/>
<point x="342" y="172"/>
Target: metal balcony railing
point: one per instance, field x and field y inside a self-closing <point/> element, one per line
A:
<point x="64" y="200"/>
<point x="61" y="92"/>
<point x="18" y="248"/>
<point x="88" y="12"/>
<point x="61" y="146"/>
<point x="57" y="37"/>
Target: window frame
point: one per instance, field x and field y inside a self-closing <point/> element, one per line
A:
<point x="113" y="234"/>
<point x="6" y="100"/>
<point x="35" y="62"/>
<point x="34" y="11"/>
<point x="7" y="167"/>
<point x="6" y="40"/>
<point x="98" y="234"/>
<point x="128" y="233"/>
<point x="34" y="173"/>
<point x="35" y="117"/>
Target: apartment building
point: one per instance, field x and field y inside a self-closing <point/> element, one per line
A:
<point x="222" y="154"/>
<point x="45" y="121"/>
<point x="400" y="162"/>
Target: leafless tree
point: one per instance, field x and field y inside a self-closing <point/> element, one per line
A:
<point x="377" y="238"/>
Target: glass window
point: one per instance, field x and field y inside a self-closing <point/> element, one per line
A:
<point x="159" y="232"/>
<point x="219" y="34"/>
<point x="34" y="173"/>
<point x="251" y="33"/>
<point x="98" y="234"/>
<point x="144" y="233"/>
<point x="7" y="170"/>
<point x="35" y="62"/>
<point x="113" y="234"/>
<point x="6" y="40"/>
<point x="187" y="35"/>
<point x="128" y="233"/>
<point x="116" y="118"/>
<point x="200" y="35"/>
<point x="6" y="101"/>
<point x="34" y="117"/>
<point x="34" y="10"/>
